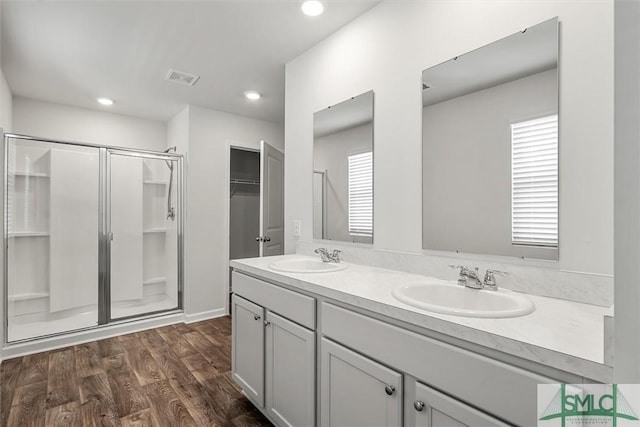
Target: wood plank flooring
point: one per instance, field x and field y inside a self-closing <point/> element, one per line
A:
<point x="177" y="375"/>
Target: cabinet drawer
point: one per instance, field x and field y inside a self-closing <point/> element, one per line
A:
<point x="292" y="305"/>
<point x="498" y="388"/>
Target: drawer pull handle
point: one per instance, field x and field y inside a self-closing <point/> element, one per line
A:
<point x="256" y="317"/>
<point x="418" y="405"/>
<point x="389" y="389"/>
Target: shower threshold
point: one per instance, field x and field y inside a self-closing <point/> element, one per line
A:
<point x="31" y="326"/>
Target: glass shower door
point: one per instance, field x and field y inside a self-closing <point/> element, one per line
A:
<point x="144" y="218"/>
<point x="52" y="228"/>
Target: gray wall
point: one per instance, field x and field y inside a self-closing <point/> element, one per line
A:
<point x="466" y="158"/>
<point x="330" y="154"/>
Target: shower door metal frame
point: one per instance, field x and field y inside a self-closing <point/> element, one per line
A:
<point x="104" y="244"/>
<point x="107" y="235"/>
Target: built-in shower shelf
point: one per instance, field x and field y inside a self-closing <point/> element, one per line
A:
<point x="154" y="281"/>
<point x="31" y="174"/>
<point x="28" y="296"/>
<point x="155" y="230"/>
<point x="153" y="182"/>
<point x="29" y="234"/>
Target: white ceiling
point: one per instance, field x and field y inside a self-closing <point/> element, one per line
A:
<point x="71" y="52"/>
<point x="516" y="56"/>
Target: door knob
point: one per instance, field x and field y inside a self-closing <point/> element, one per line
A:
<point x="418" y="405"/>
<point x="389" y="389"/>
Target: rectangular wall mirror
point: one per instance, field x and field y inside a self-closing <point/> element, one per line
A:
<point x="343" y="171"/>
<point x="490" y="148"/>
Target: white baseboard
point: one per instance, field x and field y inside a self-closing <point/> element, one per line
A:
<point x="205" y="315"/>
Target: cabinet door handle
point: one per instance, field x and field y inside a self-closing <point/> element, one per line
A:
<point x="418" y="405"/>
<point x="267" y="239"/>
<point x="256" y="317"/>
<point x="258" y="239"/>
<point x="389" y="390"/>
<point x="267" y="323"/>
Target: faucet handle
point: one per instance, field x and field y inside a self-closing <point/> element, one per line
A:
<point x="490" y="279"/>
<point x="336" y="255"/>
<point x="463" y="268"/>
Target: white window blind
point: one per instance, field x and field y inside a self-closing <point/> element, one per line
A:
<point x="361" y="194"/>
<point x="534" y="182"/>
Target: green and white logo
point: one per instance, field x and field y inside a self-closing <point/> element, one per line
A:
<point x="615" y="405"/>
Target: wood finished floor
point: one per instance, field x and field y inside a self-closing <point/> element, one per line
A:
<point x="172" y="376"/>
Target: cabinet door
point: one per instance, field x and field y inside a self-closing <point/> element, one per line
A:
<point x="290" y="372"/>
<point x="434" y="409"/>
<point x="248" y="348"/>
<point x="356" y="391"/>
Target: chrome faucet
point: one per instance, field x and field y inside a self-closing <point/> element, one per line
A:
<point x="329" y="257"/>
<point x="470" y="278"/>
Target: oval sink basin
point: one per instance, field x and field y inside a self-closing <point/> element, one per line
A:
<point x="306" y="265"/>
<point x="460" y="301"/>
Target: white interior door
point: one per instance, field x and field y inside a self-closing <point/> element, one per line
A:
<point x="271" y="201"/>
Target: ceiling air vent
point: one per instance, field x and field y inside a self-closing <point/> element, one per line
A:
<point x="182" y="78"/>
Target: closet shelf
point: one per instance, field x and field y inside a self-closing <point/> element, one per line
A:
<point x="244" y="181"/>
<point x="29" y="234"/>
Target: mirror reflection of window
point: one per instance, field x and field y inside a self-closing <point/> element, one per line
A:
<point x="534" y="182"/>
<point x="361" y="194"/>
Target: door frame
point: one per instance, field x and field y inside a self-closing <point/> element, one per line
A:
<point x="229" y="145"/>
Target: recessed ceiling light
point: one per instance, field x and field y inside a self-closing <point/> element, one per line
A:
<point x="252" y="95"/>
<point x="312" y="7"/>
<point x="105" y="101"/>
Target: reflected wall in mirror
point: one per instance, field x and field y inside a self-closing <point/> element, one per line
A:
<point x="490" y="148"/>
<point x="343" y="171"/>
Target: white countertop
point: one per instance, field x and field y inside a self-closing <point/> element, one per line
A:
<point x="562" y="334"/>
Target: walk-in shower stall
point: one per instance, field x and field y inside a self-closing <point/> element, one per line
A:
<point x="93" y="236"/>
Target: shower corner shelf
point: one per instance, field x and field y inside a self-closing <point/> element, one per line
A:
<point x="154" y="280"/>
<point x="155" y="230"/>
<point x="27" y="296"/>
<point x="31" y="174"/>
<point x="29" y="234"/>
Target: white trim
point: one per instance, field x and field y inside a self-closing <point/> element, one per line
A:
<point x="229" y="143"/>
<point x="205" y="315"/>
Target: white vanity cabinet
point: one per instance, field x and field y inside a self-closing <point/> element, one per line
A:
<point x="274" y="349"/>
<point x="356" y="390"/>
<point x="435" y="409"/>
